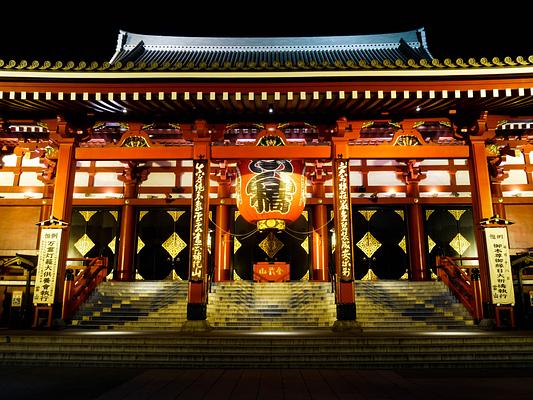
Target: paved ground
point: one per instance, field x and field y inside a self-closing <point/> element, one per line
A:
<point x="272" y="384"/>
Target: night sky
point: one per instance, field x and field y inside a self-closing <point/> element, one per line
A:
<point x="87" y="30"/>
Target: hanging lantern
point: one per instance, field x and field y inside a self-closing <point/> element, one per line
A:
<point x="271" y="193"/>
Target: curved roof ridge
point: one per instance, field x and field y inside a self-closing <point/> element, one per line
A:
<point x="130" y="40"/>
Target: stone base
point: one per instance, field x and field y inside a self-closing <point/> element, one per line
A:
<point x="196" y="326"/>
<point x="487" y="324"/>
<point x="346" y="326"/>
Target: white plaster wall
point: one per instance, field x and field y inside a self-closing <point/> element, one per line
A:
<point x="106" y="179"/>
<point x="30" y="179"/>
<point x="384" y="178"/>
<point x="436" y="178"/>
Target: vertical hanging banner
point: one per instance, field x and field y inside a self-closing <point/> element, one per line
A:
<point x="501" y="278"/>
<point x="47" y="266"/>
<point x="343" y="219"/>
<point x="199" y="217"/>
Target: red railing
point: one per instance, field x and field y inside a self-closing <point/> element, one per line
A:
<point x="80" y="281"/>
<point x="465" y="286"/>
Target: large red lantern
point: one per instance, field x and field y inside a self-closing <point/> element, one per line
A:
<point x="271" y="193"/>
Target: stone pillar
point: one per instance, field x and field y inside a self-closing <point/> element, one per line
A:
<point x="415" y="221"/>
<point x="132" y="177"/>
<point x="320" y="230"/>
<point x="222" y="230"/>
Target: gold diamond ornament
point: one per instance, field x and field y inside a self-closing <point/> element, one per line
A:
<point x="175" y="214"/>
<point x="174" y="245"/>
<point x="87" y="215"/>
<point x="367" y="214"/>
<point x="236" y="245"/>
<point x="305" y="245"/>
<point x="84" y="244"/>
<point x="431" y="244"/>
<point x="112" y="244"/>
<point x="457" y="214"/>
<point x="368" y="244"/>
<point x="271" y="245"/>
<point x="140" y="245"/>
<point x="403" y="245"/>
<point x="460" y="244"/>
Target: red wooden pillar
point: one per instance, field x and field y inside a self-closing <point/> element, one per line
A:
<point x="415" y="222"/>
<point x="320" y="230"/>
<point x="344" y="261"/>
<point x="198" y="262"/>
<point x="222" y="234"/>
<point x="132" y="177"/>
<point x="482" y="208"/>
<point x="62" y="202"/>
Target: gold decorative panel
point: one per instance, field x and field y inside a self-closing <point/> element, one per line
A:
<point x="142" y="214"/>
<point x="460" y="244"/>
<point x="237" y="213"/>
<point x="236" y="245"/>
<point x="428" y="213"/>
<point x="174" y="245"/>
<point x="370" y="276"/>
<point x="305" y="214"/>
<point x="114" y="214"/>
<point x="367" y="214"/>
<point x="84" y="244"/>
<point x="140" y="245"/>
<point x="403" y="245"/>
<point x="305" y="245"/>
<point x="400" y="213"/>
<point x="112" y="244"/>
<point x="277" y="224"/>
<point x="407" y="140"/>
<point x="431" y="244"/>
<point x="173" y="276"/>
<point x="271" y="245"/>
<point x="175" y="214"/>
<point x="87" y="214"/>
<point x="457" y="214"/>
<point x="368" y="244"/>
<point x="405" y="276"/>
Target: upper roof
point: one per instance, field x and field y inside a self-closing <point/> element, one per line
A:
<point x="270" y="52"/>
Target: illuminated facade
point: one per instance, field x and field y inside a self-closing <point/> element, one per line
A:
<point x="370" y="157"/>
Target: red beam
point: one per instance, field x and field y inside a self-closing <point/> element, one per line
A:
<point x="269" y="153"/>
<point x="135" y="153"/>
<point x="407" y="152"/>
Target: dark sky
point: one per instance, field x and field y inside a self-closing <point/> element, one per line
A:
<point x="87" y="30"/>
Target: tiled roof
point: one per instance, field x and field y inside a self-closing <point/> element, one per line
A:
<point x="270" y="52"/>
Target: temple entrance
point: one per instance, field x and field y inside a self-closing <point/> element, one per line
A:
<point x="290" y="246"/>
<point x="162" y="243"/>
<point x="380" y="242"/>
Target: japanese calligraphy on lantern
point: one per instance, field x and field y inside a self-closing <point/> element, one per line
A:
<point x="45" y="281"/>
<point x="199" y="221"/>
<point x="343" y="220"/>
<point x="501" y="279"/>
<point x="271" y="190"/>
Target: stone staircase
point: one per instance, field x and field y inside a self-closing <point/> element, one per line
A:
<point x="245" y="305"/>
<point x="264" y="350"/>
<point x="142" y="305"/>
<point x="399" y="305"/>
<point x="275" y="306"/>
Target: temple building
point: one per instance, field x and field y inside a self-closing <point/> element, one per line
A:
<point x="191" y="179"/>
